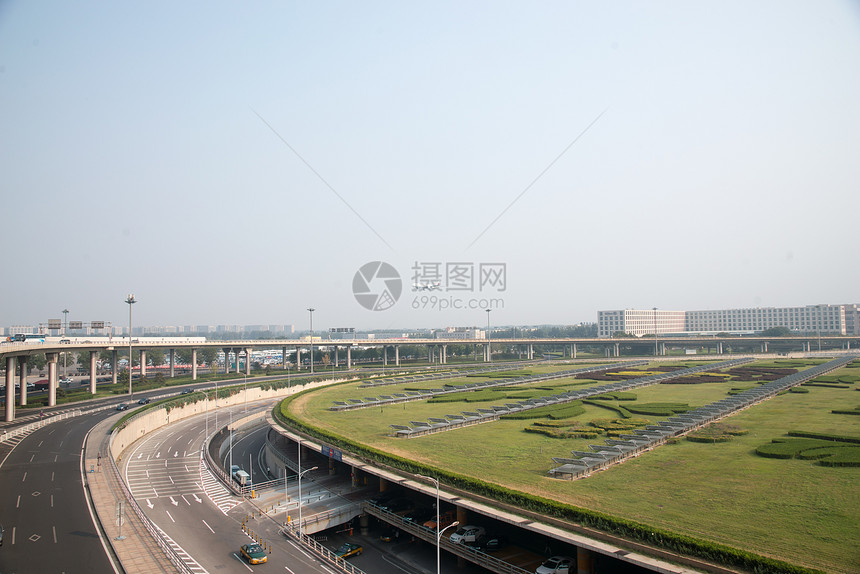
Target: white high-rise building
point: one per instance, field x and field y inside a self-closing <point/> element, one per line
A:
<point x="825" y="319"/>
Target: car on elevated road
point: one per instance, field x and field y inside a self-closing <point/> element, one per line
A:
<point x="556" y="565"/>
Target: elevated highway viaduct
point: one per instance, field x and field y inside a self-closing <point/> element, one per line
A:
<point x="14" y="356"/>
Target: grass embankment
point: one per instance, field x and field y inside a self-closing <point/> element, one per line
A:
<point x="792" y="510"/>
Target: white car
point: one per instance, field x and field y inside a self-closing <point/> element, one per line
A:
<point x="557" y="565"/>
<point x="466" y="534"/>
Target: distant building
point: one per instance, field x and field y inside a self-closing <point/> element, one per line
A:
<point x="461" y="333"/>
<point x="824" y="319"/>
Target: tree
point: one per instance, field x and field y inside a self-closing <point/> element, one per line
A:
<point x="777" y="332"/>
<point x="155" y="356"/>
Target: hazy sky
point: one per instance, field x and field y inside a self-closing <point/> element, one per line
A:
<point x="239" y="162"/>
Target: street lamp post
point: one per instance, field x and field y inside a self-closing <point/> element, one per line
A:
<point x="65" y="334"/>
<point x="300" y="473"/>
<point x="131" y="301"/>
<point x="311" y="311"/>
<point x="438" y="532"/>
<point x="655" y="333"/>
<point x="489" y="344"/>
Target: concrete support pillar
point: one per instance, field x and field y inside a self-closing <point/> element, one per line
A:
<point x="663" y="349"/>
<point x="720" y="348"/>
<point x="355" y="476"/>
<point x="142" y="363"/>
<point x="10" y="389"/>
<point x="531" y="353"/>
<point x="332" y="469"/>
<point x="573" y="351"/>
<point x="336" y="362"/>
<point x="22" y="379"/>
<point x="52" y="378"/>
<point x="617" y="349"/>
<point x="236" y="352"/>
<point x="444" y="354"/>
<point x="584" y="561"/>
<point x="488" y="356"/>
<point x="248" y="361"/>
<point x="298" y="358"/>
<point x="364" y="524"/>
<point x="606" y="351"/>
<point x="172" y="361"/>
<point x="93" y="356"/>
<point x="384" y="356"/>
<point x="226" y="360"/>
<point x="349" y="357"/>
<point x="397" y="355"/>
<point x="193" y="364"/>
<point x="284" y="357"/>
<point x="764" y="347"/>
<point x="114" y="371"/>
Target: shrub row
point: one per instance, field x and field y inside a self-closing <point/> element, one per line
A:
<point x="644" y="533"/>
<point x="825" y="436"/>
<point x="622" y="411"/>
<point x="658" y="409"/>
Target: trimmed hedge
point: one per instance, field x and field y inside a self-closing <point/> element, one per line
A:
<point x="658" y="409"/>
<point x="622" y="411"/>
<point x="681" y="543"/>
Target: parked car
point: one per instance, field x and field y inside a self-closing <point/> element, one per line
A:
<point x="467" y="533"/>
<point x="420" y="515"/>
<point x="557" y="565"/>
<point x="143" y="401"/>
<point x="348" y="549"/>
<point x="122" y="407"/>
<point x="398" y="505"/>
<point x="489" y="543"/>
<point x="254" y="553"/>
<point x="446" y="518"/>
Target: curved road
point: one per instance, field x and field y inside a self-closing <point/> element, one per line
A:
<point x="47" y="523"/>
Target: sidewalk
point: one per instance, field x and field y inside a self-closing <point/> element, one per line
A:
<point x="138" y="552"/>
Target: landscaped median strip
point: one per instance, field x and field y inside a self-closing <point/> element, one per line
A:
<point x="617" y="450"/>
<point x="407" y="396"/>
<point x="419" y="428"/>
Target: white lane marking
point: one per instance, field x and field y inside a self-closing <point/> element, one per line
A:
<point x="25" y="476"/>
<point x="242" y="562"/>
<point x="52" y="501"/>
<point x="175" y="453"/>
<point x="18" y="504"/>
<point x="40" y="444"/>
<point x="32" y="456"/>
<point x="140" y="454"/>
<point x="186" y="500"/>
<point x="209" y="527"/>
<point x="13" y="534"/>
<point x="171" y="479"/>
<point x="52" y="477"/>
<point x="54" y="530"/>
<point x="288" y="570"/>
<point x="168" y="514"/>
<point x="197" y="498"/>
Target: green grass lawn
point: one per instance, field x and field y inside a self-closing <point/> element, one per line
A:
<point x="793" y="510"/>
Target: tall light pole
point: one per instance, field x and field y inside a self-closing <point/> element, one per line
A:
<point x="655" y="332"/>
<point x="301" y="472"/>
<point x="489" y="344"/>
<point x="311" y="311"/>
<point x="66" y="354"/>
<point x="438" y="532"/>
<point x="131" y="301"/>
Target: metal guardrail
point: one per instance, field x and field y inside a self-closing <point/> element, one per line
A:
<point x="429" y="535"/>
<point x="323" y="552"/>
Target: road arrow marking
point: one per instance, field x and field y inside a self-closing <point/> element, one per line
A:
<point x="173" y="502"/>
<point x="149" y="504"/>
